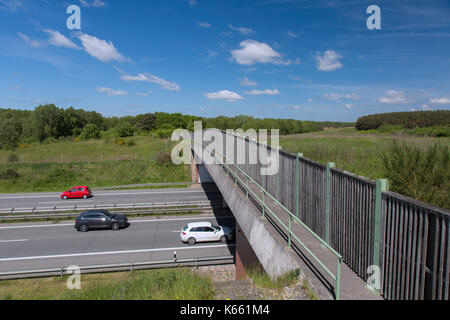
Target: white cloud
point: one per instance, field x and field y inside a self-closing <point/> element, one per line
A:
<point x="12" y="5"/>
<point x="241" y="30"/>
<point x="296" y="78"/>
<point x="147" y="77"/>
<point x="192" y="2"/>
<point x="230" y="96"/>
<point x="144" y="94"/>
<point x="442" y="100"/>
<point x="310" y="100"/>
<point x="349" y="105"/>
<point x="257" y="52"/>
<point x="338" y="96"/>
<point x="111" y="92"/>
<point x="296" y="107"/>
<point x="59" y="40"/>
<point x="34" y="43"/>
<point x="292" y="34"/>
<point x="248" y="83"/>
<point x="269" y="92"/>
<point x="204" y="24"/>
<point x="102" y="50"/>
<point x="328" y="61"/>
<point x="98" y="4"/>
<point x="95" y="3"/>
<point x="425" y="107"/>
<point x="393" y="96"/>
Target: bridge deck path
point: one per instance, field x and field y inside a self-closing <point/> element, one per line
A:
<point x="352" y="286"/>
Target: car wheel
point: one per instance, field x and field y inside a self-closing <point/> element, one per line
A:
<point x="65" y="198"/>
<point x="191" y="241"/>
<point x="85" y="197"/>
<point x="223" y="239"/>
<point x="83" y="228"/>
<point x="115" y="226"/>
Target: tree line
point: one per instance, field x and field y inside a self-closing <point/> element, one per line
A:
<point x="407" y="120"/>
<point x="48" y="123"/>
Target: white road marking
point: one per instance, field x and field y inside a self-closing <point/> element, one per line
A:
<point x="18" y="240"/>
<point x="104" y="194"/>
<point x="131" y="221"/>
<point x="112" y="252"/>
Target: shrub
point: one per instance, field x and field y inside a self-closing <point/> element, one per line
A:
<point x="13" y="158"/>
<point x="125" y="129"/>
<point x="163" y="158"/>
<point x="90" y="131"/>
<point x="131" y="143"/>
<point x="423" y="175"/>
<point x="9" y="174"/>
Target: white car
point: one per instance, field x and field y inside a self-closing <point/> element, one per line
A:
<point x="204" y="232"/>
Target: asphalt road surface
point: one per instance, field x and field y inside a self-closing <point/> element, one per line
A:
<point x="50" y="199"/>
<point x="29" y="246"/>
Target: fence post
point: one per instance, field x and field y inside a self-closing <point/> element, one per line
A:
<point x="382" y="186"/>
<point x="297" y="184"/>
<point x="327" y="202"/>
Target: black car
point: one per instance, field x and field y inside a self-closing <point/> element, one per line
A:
<point x="100" y="219"/>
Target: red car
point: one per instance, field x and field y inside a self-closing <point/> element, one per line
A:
<point x="77" y="192"/>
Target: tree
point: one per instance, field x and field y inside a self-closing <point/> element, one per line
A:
<point x="49" y="121"/>
<point x="125" y="129"/>
<point x="90" y="131"/>
<point x="146" y="121"/>
<point x="10" y="132"/>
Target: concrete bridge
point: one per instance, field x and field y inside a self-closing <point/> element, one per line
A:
<point x="341" y="230"/>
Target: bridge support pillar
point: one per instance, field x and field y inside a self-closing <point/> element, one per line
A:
<point x="245" y="256"/>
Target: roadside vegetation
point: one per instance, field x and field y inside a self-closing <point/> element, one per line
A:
<point x="415" y="166"/>
<point x="165" y="284"/>
<point x="262" y="279"/>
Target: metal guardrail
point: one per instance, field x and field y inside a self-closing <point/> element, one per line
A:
<point x="131" y="266"/>
<point x="138" y="210"/>
<point x="226" y="162"/>
<point x="114" y="206"/>
<point x="161" y="184"/>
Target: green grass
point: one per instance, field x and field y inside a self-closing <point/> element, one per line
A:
<point x="166" y="284"/>
<point x="144" y="148"/>
<point x="40" y="167"/>
<point x="262" y="279"/>
<point x="352" y="151"/>
<point x="60" y="177"/>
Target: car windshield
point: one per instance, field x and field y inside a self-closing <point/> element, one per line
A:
<point x="216" y="227"/>
<point x="185" y="228"/>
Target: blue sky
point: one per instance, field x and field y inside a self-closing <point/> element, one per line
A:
<point x="308" y="60"/>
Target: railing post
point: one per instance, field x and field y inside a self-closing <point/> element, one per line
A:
<point x="381" y="186"/>
<point x="278" y="180"/>
<point x="290" y="230"/>
<point x="338" y="279"/>
<point x="297" y="184"/>
<point x="327" y="202"/>
<point x="247" y="187"/>
<point x="264" y="202"/>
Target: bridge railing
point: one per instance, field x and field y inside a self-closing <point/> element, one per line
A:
<point x="369" y="226"/>
<point x="244" y="180"/>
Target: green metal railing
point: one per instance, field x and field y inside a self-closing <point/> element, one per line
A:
<point x="225" y="163"/>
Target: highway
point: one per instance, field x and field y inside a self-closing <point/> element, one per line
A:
<point x="48" y="245"/>
<point x="50" y="199"/>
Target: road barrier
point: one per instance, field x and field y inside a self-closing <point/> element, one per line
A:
<point x="130" y="266"/>
<point x="136" y="209"/>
